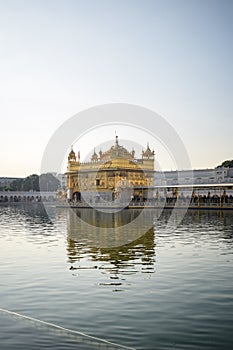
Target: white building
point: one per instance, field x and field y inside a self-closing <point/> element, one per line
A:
<point x="196" y="176"/>
<point x="62" y="179"/>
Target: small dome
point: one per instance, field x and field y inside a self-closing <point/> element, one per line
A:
<point x="116" y="151"/>
<point x="94" y="156"/>
<point x="148" y="153"/>
<point x="72" y="155"/>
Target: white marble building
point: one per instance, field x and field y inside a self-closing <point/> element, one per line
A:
<point x="196" y="176"/>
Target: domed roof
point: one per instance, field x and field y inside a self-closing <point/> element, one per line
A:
<point x="148" y="153"/>
<point x="116" y="151"/>
<point x="72" y="155"/>
<point x="120" y="163"/>
<point x="94" y="156"/>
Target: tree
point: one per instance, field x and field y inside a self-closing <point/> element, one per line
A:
<point x="31" y="183"/>
<point x="48" y="182"/>
<point x="16" y="185"/>
<point x="226" y="164"/>
<point x="34" y="182"/>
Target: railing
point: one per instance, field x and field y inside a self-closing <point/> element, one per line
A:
<point x="168" y="203"/>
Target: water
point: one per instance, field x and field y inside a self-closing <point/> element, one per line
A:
<point x="167" y="288"/>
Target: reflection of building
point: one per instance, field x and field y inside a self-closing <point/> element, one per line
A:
<point x="106" y="229"/>
<point x="122" y="244"/>
<point x="109" y="175"/>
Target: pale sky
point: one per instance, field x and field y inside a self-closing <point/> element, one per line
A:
<point x="60" y="57"/>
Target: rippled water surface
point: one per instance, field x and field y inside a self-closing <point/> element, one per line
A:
<point x="167" y="287"/>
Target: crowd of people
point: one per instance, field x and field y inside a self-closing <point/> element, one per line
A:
<point x="195" y="199"/>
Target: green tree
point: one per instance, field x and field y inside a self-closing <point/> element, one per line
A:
<point x="48" y="182"/>
<point x="31" y="183"/>
<point x="226" y="164"/>
<point x="34" y="182"/>
<point x="16" y="185"/>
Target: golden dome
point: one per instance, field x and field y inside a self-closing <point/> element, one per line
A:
<point x="72" y="155"/>
<point x="117" y="151"/>
<point x="148" y="153"/>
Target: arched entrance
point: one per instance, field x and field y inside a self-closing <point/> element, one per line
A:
<point x="77" y="196"/>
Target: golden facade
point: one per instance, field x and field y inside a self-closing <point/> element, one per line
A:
<point x="110" y="175"/>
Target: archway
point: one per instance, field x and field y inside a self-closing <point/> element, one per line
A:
<point x="77" y="196"/>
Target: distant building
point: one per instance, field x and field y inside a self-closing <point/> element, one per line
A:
<point x="197" y="176"/>
<point x="62" y="178"/>
<point x="110" y="175"/>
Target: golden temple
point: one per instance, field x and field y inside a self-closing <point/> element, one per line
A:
<point x="110" y="175"/>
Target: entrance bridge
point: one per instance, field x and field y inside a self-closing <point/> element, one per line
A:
<point x="27" y="196"/>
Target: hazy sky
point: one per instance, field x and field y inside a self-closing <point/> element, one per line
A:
<point x="60" y="57"/>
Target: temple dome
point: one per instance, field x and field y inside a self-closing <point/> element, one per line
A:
<point x="148" y="153"/>
<point x="94" y="156"/>
<point x="116" y="151"/>
<point x="72" y="155"/>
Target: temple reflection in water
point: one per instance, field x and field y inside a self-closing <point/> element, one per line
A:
<point x="110" y="238"/>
